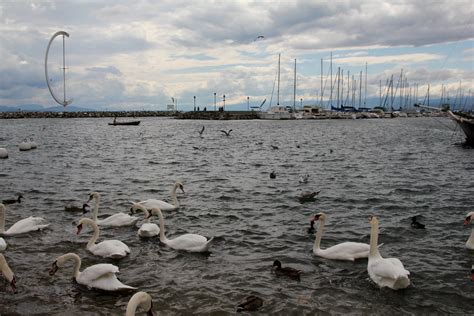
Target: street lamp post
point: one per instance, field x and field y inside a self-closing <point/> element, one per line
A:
<point x="223" y="100"/>
<point x="215" y="109"/>
<point x="301" y="104"/>
<point x="248" y="103"/>
<point x="194" y="103"/>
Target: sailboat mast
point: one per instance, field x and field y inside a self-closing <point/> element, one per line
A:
<point x="360" y="89"/>
<point x="338" y="82"/>
<point x="321" y="101"/>
<point x="294" y="91"/>
<point x="330" y="95"/>
<point x="278" y="90"/>
<point x="64" y="70"/>
<point x="365" y="94"/>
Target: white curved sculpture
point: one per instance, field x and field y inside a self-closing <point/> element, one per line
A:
<point x="63" y="102"/>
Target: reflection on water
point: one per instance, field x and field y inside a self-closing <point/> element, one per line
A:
<point x="391" y="168"/>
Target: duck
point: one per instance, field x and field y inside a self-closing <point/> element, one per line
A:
<point x="385" y="272"/>
<point x="73" y="208"/>
<point x="22" y="226"/>
<point x="13" y="201"/>
<point x="307" y="196"/>
<point x="162" y="205"/>
<point x="273" y="175"/>
<point x="114" y="249"/>
<point x="3" y="244"/>
<point x="186" y="242"/>
<point x="3" y="153"/>
<point x="116" y="220"/>
<point x="344" y="251"/>
<point x="467" y="221"/>
<point x="99" y="276"/>
<point x="7" y="273"/>
<point x="140" y="299"/>
<point x="304" y="178"/>
<point x="147" y="229"/>
<point x="416" y="224"/>
<point x="286" y="271"/>
<point x="251" y="303"/>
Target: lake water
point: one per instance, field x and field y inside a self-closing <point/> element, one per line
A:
<point x="392" y="168"/>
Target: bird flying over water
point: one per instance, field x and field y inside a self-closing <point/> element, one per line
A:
<point x="226" y="133"/>
<point x="202" y="130"/>
<point x="260" y="37"/>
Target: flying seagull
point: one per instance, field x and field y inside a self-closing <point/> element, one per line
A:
<point x="226" y="133"/>
<point x="260" y="37"/>
<point x="201" y="131"/>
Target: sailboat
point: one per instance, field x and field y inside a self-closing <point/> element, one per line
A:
<point x="278" y="112"/>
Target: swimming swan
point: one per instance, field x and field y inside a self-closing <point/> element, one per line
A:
<point x="470" y="241"/>
<point x="114" y="249"/>
<point x="344" y="251"/>
<point x="162" y="205"/>
<point x="147" y="229"/>
<point x="7" y="273"/>
<point x="116" y="220"/>
<point x="142" y="299"/>
<point x="22" y="226"/>
<point x="3" y="244"/>
<point x="188" y="242"/>
<point x="388" y="272"/>
<point x="99" y="276"/>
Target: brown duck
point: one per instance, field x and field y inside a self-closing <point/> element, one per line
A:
<point x="286" y="271"/>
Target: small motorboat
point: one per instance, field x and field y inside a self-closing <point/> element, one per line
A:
<point x="125" y="123"/>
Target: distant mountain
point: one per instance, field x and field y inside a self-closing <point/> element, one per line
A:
<point x="67" y="109"/>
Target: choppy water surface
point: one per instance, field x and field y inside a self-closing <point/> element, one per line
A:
<point x="391" y="168"/>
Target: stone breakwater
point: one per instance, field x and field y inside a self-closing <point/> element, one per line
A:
<point x="21" y="115"/>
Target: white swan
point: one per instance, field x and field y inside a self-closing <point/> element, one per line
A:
<point x="147" y="229"/>
<point x="162" y="205"/>
<point x="116" y="220"/>
<point x="114" y="249"/>
<point x="22" y="226"/>
<point x="24" y="145"/>
<point x="142" y="299"/>
<point x="470" y="241"/>
<point x="3" y="244"/>
<point x="388" y="272"/>
<point x="3" y="153"/>
<point x="344" y="251"/>
<point x="188" y="242"/>
<point x="7" y="273"/>
<point x="99" y="276"/>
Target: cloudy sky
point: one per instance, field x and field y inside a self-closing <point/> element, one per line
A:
<point x="139" y="54"/>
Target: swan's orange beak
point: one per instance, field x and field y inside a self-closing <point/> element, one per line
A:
<point x="467" y="221"/>
<point x="54" y="268"/>
<point x="79" y="228"/>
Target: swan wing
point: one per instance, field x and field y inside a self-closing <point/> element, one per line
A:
<point x="119" y="219"/>
<point x="190" y="242"/>
<point x="148" y="230"/>
<point x="102" y="276"/>
<point x="110" y="249"/>
<point x="345" y="251"/>
<point x="3" y="244"/>
<point x="391" y="268"/>
<point x="27" y="225"/>
<point x="162" y="205"/>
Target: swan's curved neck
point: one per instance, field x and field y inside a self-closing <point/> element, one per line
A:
<point x="470" y="241"/>
<point x="162" y="227"/>
<point x="95" y="235"/>
<point x="173" y="196"/>
<point x="5" y="269"/>
<point x="2" y="220"/>
<point x="139" y="299"/>
<point x="374" y="240"/>
<point x="95" y="212"/>
<point x="77" y="262"/>
<point x="319" y="234"/>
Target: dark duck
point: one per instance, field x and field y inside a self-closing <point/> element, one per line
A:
<point x="13" y="201"/>
<point x="286" y="271"/>
<point x="251" y="303"/>
<point x="416" y="224"/>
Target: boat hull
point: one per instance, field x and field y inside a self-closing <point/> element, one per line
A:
<point x="125" y="123"/>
